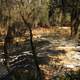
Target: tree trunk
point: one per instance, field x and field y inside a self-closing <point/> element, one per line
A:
<point x="75" y="19"/>
<point x="39" y="75"/>
<point x="63" y="12"/>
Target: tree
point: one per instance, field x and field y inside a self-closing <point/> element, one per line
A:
<point x="8" y="38"/>
<point x="6" y="42"/>
<point x="75" y="18"/>
<point x="28" y="16"/>
<point x="57" y="12"/>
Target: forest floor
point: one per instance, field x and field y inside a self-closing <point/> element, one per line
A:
<point x="54" y="43"/>
<point x="61" y="50"/>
